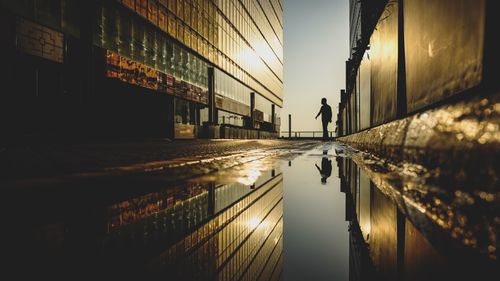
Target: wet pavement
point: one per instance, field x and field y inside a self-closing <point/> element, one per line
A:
<point x="300" y="211"/>
<point x="54" y="158"/>
<point x="52" y="163"/>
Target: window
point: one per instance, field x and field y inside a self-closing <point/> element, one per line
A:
<point x="172" y="25"/>
<point x="171" y="5"/>
<point x="162" y="18"/>
<point x="185" y="112"/>
<point x="180" y="9"/>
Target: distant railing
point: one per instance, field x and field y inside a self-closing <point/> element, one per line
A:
<point x="305" y="134"/>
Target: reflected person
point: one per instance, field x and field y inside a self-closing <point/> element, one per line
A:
<point x="326" y="117"/>
<point x="326" y="169"/>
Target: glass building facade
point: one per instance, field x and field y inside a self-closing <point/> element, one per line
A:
<point x="124" y="50"/>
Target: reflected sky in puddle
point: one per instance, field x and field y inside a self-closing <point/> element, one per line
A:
<point x="316" y="236"/>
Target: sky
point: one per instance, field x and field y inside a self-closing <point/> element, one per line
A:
<point x="316" y="46"/>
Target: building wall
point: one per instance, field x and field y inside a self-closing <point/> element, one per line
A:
<point x="365" y="92"/>
<point x="444" y="44"/>
<point x="157" y="48"/>
<point x="355" y="23"/>
<point x="384" y="72"/>
<point x="421" y="54"/>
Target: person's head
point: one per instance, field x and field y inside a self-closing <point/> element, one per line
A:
<point x="323" y="180"/>
<point x="323" y="101"/>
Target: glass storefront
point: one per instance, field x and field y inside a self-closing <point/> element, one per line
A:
<point x="186" y="112"/>
<point x="265" y="106"/>
<point x="228" y="87"/>
<point x="230" y="118"/>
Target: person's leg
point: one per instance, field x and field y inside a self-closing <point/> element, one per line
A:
<point x="325" y="130"/>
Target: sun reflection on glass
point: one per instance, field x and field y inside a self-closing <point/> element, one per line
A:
<point x="253" y="222"/>
<point x="251" y="174"/>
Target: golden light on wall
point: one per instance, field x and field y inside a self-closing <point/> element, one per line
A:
<point x="253" y="222"/>
<point x="444" y="42"/>
<point x="384" y="66"/>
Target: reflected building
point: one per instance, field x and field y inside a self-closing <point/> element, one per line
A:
<point x="404" y="240"/>
<point x="197" y="230"/>
<point x="242" y="242"/>
<point x="170" y="68"/>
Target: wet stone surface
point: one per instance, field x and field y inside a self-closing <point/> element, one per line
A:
<point x="59" y="164"/>
<point x="460" y="140"/>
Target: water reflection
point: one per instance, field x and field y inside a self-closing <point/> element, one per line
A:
<point x="269" y="219"/>
<point x="326" y="169"/>
<point x="316" y="238"/>
<point x="396" y="235"/>
<point x="227" y="226"/>
<point x="242" y="241"/>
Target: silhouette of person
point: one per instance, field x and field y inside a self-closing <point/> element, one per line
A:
<point x="326" y="169"/>
<point x="326" y="117"/>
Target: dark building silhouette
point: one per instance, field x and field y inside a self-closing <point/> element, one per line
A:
<point x="142" y="68"/>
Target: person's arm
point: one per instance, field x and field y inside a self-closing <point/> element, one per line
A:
<point x="317" y="167"/>
<point x="318" y="114"/>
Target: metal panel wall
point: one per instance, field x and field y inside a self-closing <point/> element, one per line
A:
<point x="344" y="122"/>
<point x="365" y="95"/>
<point x="353" y="112"/>
<point x="384" y="54"/>
<point x="443" y="47"/>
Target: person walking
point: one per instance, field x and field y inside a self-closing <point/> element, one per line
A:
<point x="326" y="117"/>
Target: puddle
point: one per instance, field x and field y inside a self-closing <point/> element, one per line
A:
<point x="316" y="233"/>
<point x="299" y="215"/>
